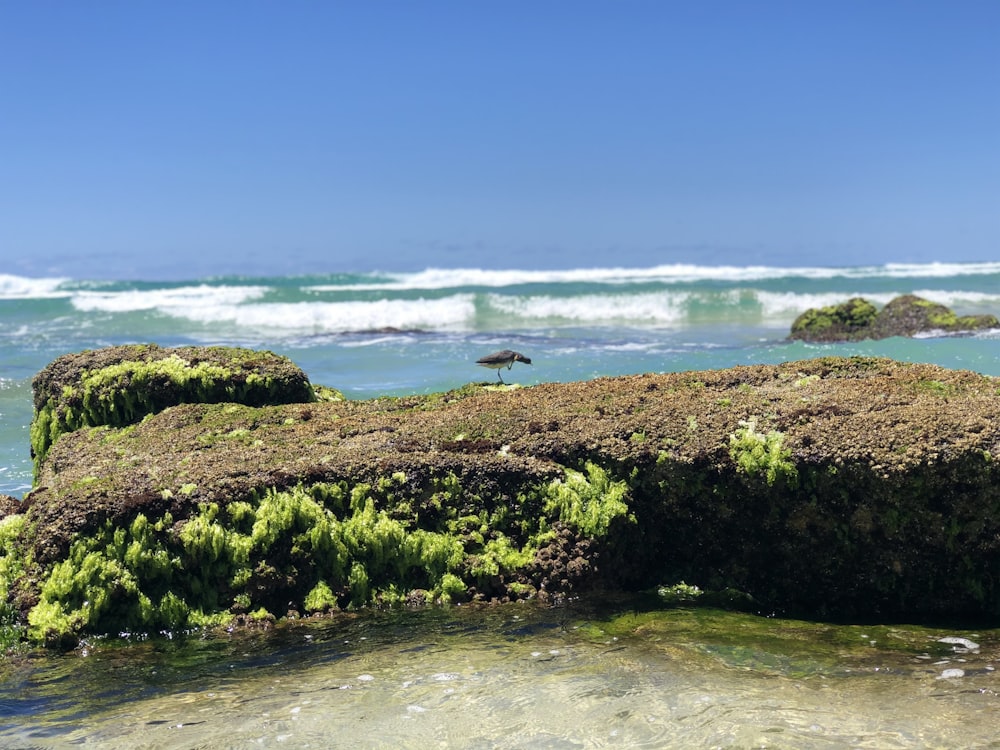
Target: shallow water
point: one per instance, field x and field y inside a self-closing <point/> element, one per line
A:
<point x="516" y="676"/>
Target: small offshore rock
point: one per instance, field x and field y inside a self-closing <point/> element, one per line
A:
<point x="906" y="315"/>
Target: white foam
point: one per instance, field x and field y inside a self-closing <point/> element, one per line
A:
<point x="941" y="269"/>
<point x="21" y="287"/>
<point x="662" y="308"/>
<point x="781" y="305"/>
<point x="172" y="301"/>
<point x="455" y="311"/>
<point x="959" y="298"/>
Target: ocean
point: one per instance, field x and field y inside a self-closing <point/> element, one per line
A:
<point x="379" y="333"/>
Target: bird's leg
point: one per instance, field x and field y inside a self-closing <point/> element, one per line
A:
<point x="500" y="378"/>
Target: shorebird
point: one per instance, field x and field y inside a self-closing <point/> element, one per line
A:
<point x="498" y="360"/>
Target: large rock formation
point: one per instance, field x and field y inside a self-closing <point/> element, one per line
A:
<point x="829" y="488"/>
<point x="907" y="315"/>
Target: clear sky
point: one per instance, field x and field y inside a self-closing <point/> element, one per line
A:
<point x="335" y="136"/>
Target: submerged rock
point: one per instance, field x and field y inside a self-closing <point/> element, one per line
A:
<point x="828" y="488"/>
<point x="907" y="315"/>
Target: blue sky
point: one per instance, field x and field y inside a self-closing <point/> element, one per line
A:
<point x="179" y="138"/>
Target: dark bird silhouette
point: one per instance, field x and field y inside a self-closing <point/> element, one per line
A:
<point x="499" y="360"/>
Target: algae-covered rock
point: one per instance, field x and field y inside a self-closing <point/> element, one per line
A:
<point x="835" y="488"/>
<point x="910" y="315"/>
<point x="848" y="321"/>
<point x="907" y="315"/>
<point x="120" y="385"/>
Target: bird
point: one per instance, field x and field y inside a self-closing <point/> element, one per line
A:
<point x="499" y="360"/>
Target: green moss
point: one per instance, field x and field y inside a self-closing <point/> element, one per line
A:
<point x="588" y="502"/>
<point x="359" y="585"/>
<point x="853" y="315"/>
<point x="315" y="548"/>
<point x="944" y="319"/>
<point x="321" y="598"/>
<point x="452" y="587"/>
<point x="679" y="593"/>
<point x="334" y="546"/>
<point x="758" y="454"/>
<point x="12" y="559"/>
<point x="815" y="320"/>
<point x="13" y="563"/>
<point x="500" y="557"/>
<point x="937" y="388"/>
<point x="325" y="393"/>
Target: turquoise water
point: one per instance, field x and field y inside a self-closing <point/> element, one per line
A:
<point x="373" y="334"/>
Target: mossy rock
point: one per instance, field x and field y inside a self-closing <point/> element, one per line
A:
<point x="835" y="488"/>
<point x="906" y="315"/>
<point x="910" y="315"/>
<point x="848" y="321"/>
<point x="121" y="385"/>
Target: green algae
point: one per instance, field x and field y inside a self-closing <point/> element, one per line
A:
<point x="588" y="501"/>
<point x="853" y="315"/>
<point x="759" y="454"/>
<point x="13" y="563"/>
<point x="313" y="548"/>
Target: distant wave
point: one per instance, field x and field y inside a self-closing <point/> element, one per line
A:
<point x="177" y="300"/>
<point x="480" y="300"/>
<point x="455" y="311"/>
<point x="19" y="287"/>
<point x="438" y="278"/>
<point x="241" y="308"/>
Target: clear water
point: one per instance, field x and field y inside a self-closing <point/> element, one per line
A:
<point x="520" y="677"/>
